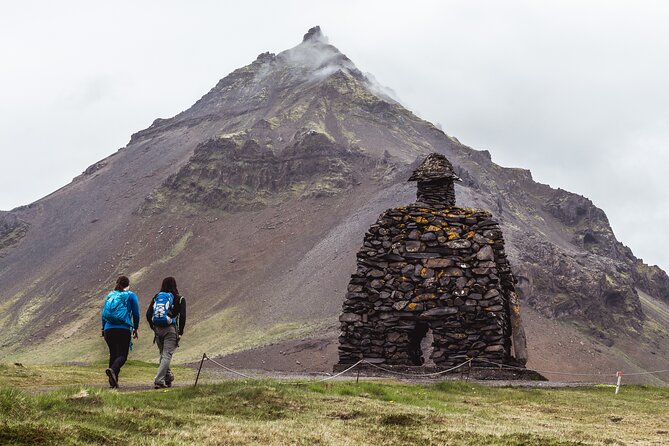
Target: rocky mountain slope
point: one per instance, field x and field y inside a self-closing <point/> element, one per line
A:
<point x="257" y="197"/>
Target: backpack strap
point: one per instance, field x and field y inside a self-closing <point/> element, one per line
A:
<point x="178" y="315"/>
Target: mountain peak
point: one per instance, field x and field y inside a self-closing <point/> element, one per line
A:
<point x="314" y="35"/>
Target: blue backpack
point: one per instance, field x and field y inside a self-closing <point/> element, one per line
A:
<point x="116" y="310"/>
<point x="162" y="306"/>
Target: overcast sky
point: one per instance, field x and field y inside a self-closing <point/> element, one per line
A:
<point x="576" y="91"/>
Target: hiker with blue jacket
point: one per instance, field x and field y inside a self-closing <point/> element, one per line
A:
<point x="120" y="319"/>
<point x="167" y="317"/>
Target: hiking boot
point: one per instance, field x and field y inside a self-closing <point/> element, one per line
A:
<point x="113" y="380"/>
<point x="159" y="386"/>
<point x="168" y="379"/>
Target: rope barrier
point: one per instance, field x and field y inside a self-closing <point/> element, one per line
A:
<point x="506" y="366"/>
<point x="340" y="373"/>
<point x="304" y="383"/>
<point x="647" y="373"/>
<point x="207" y="358"/>
<point x="442" y="372"/>
<point x="569" y="373"/>
<point x="362" y="361"/>
<point x="228" y="368"/>
<point x="418" y="375"/>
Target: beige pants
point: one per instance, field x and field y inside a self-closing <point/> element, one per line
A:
<point x="166" y="338"/>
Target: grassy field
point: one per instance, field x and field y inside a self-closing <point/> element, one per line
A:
<point x="40" y="377"/>
<point x="335" y="413"/>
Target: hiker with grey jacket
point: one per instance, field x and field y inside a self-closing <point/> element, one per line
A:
<point x="120" y="320"/>
<point x="167" y="317"/>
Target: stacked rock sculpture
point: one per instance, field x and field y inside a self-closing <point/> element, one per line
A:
<point x="430" y="266"/>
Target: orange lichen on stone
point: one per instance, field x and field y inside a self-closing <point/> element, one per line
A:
<point x="421" y="220"/>
<point x="452" y="235"/>
<point x="412" y="306"/>
<point x="428" y="296"/>
<point x="433" y="228"/>
<point x="470" y="235"/>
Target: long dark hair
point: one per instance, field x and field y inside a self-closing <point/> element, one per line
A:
<point x="122" y="283"/>
<point x="170" y="286"/>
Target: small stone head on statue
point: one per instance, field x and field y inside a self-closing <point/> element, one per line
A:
<point x="435" y="177"/>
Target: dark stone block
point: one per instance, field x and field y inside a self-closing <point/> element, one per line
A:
<point x="459" y="244"/>
<point x="376" y="284"/>
<point x="350" y="317"/>
<point x="413" y="246"/>
<point x="439" y="263"/>
<point x="420" y="255"/>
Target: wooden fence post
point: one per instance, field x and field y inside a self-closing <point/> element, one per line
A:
<point x="204" y="356"/>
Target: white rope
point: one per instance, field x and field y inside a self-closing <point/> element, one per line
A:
<point x="580" y="374"/>
<point x="571" y="374"/>
<point x="362" y="361"/>
<point x="338" y="374"/>
<point x="442" y="372"/>
<point x="506" y="366"/>
<point x="418" y="375"/>
<point x="315" y="381"/>
<point x="251" y="377"/>
<point x="646" y="373"/>
<point x="228" y="368"/>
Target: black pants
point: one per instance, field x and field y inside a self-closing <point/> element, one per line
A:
<point x="118" y="341"/>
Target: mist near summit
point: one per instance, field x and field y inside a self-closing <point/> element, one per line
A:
<point x="573" y="91"/>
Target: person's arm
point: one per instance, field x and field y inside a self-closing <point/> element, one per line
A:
<point x="182" y="315"/>
<point x="134" y="308"/>
<point x="149" y="313"/>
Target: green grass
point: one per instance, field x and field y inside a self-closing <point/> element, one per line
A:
<point x="267" y="412"/>
<point x="43" y="376"/>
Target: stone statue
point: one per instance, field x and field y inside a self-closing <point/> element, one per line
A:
<point x="432" y="269"/>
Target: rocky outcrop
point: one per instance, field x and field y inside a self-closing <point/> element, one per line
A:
<point x="12" y="230"/>
<point x="238" y="173"/>
<point x="651" y="279"/>
<point x="588" y="224"/>
<point x="314" y="33"/>
<point x="581" y="272"/>
<point x="598" y="293"/>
